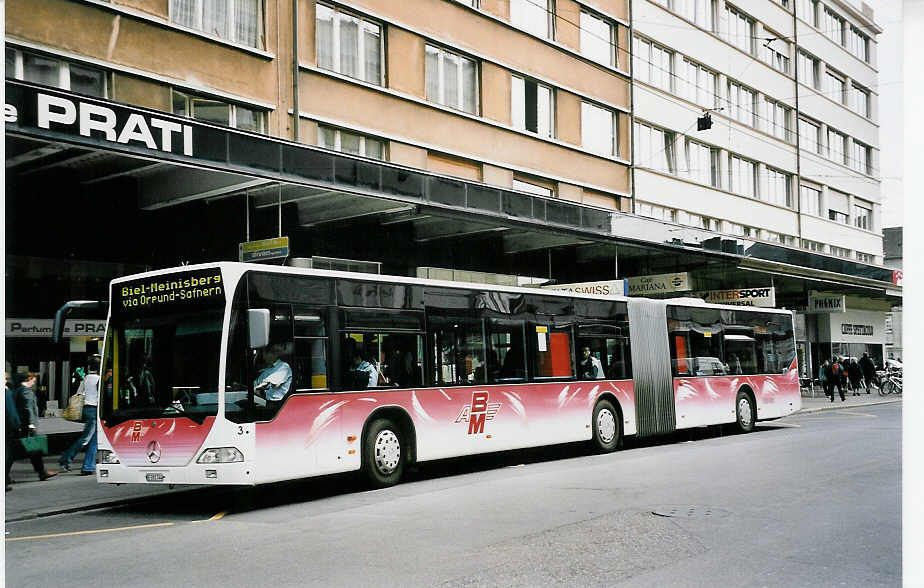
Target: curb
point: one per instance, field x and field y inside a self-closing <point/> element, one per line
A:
<point x="840" y="406"/>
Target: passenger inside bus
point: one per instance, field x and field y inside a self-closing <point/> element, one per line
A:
<point x="363" y="374"/>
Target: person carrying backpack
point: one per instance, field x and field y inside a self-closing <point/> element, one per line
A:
<point x="837" y="371"/>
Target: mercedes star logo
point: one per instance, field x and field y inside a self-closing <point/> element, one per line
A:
<point x="154" y="452"/>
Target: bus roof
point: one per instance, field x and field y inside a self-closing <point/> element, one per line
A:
<point x="240" y="267"/>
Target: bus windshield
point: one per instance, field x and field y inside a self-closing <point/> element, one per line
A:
<point x="161" y="366"/>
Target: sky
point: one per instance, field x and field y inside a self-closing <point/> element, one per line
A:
<point x="888" y="14"/>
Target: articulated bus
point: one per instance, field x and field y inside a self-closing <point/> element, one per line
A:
<point x="231" y="373"/>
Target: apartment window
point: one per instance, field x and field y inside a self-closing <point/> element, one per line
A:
<point x="742" y="102"/>
<point x="863" y="216"/>
<point x="531" y="106"/>
<point x="532" y="188"/>
<point x="838" y="207"/>
<point x="836" y="87"/>
<point x="599" y="129"/>
<point x="699" y="85"/>
<point x="837" y="146"/>
<point x="833" y="26"/>
<point x="349" y="45"/>
<point x="598" y="39"/>
<point x="771" y="236"/>
<point x="700" y="12"/>
<point x="866" y="257"/>
<point x="347" y="142"/>
<point x="811" y="200"/>
<point x="775" y="187"/>
<point x="808" y="133"/>
<point x="452" y="80"/>
<point x="218" y="111"/>
<point x="776" y="52"/>
<point x="658" y="212"/>
<point x="776" y="119"/>
<point x="861" y="157"/>
<point x="654" y="148"/>
<point x="238" y="21"/>
<point x="50" y="71"/>
<point x="702" y="163"/>
<point x="838" y="217"/>
<point x="741" y="230"/>
<point x="813" y="245"/>
<point x="534" y="16"/>
<point x="860" y="100"/>
<point x="740" y="30"/>
<point x="858" y="44"/>
<point x="808" y="70"/>
<point x="807" y="10"/>
<point x="742" y="176"/>
<point x="472" y="3"/>
<point x="840" y="251"/>
<point x="653" y="64"/>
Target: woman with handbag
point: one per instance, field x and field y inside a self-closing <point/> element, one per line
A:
<point x="22" y="427"/>
<point x="89" y="387"/>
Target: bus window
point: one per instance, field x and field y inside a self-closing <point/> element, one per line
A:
<point x="309" y="361"/>
<point x="696" y="339"/>
<point x="458" y="351"/>
<point x="552" y="351"/>
<point x="609" y="346"/>
<point x="506" y="356"/>
<point x="375" y="360"/>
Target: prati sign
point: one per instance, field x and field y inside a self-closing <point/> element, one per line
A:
<point x="43" y="328"/>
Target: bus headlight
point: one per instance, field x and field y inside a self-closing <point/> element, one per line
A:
<point x="220" y="455"/>
<point x="106" y="456"/>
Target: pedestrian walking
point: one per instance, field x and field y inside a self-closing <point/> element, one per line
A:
<point x="89" y="387"/>
<point x="22" y="421"/>
<point x="854" y="375"/>
<point x="838" y="378"/>
<point x="824" y="376"/>
<point x="869" y="371"/>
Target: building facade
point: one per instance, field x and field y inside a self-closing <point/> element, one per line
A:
<point x="493" y="136"/>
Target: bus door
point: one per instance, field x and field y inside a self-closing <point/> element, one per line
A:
<point x="651" y="367"/>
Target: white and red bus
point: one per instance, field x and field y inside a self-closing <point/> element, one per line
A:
<point x="374" y="373"/>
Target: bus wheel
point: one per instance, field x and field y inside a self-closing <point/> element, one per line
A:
<point x="383" y="455"/>
<point x="744" y="410"/>
<point x="606" y="427"/>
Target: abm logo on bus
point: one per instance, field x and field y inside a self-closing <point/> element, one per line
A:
<point x="479" y="411"/>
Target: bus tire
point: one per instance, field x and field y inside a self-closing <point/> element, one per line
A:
<point x="383" y="453"/>
<point x="606" y="427"/>
<point x="744" y="412"/>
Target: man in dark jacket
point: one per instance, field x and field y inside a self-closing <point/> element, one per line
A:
<point x="869" y="371"/>
<point x="22" y="411"/>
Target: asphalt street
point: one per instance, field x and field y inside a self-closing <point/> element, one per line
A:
<point x="810" y="500"/>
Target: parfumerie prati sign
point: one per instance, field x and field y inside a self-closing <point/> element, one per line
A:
<point x="168" y="291"/>
<point x="63" y="113"/>
<point x="43" y="328"/>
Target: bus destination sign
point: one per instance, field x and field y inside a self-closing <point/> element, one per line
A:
<point x="169" y="292"/>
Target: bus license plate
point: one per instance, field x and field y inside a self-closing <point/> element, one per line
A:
<point x="154" y="477"/>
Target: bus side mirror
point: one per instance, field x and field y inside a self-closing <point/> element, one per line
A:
<point x="258" y="327"/>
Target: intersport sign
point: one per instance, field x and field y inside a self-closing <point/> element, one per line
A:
<point x="762" y="297"/>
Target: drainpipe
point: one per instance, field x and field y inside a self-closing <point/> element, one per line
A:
<point x="631" y="104"/>
<point x="295" y="70"/>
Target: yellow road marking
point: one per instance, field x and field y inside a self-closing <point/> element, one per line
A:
<point x="219" y="515"/>
<point x="90" y="532"/>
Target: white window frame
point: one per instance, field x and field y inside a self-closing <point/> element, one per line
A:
<point x="521" y="9"/>
<point x="840" y="251"/>
<point x="863" y="216"/>
<point x="651" y="143"/>
<point x="702" y="163"/>
<point x="834" y="26"/>
<point x="810" y="7"/>
<point x="338" y="137"/>
<point x="810" y="200"/>
<point x="699" y="12"/>
<point x="459" y="102"/>
<point x="805" y="127"/>
<point x="590" y="39"/>
<point x="651" y="57"/>
<point x="837" y="146"/>
<point x="740" y="30"/>
<point x="740" y="95"/>
<point x="836" y="86"/>
<point x="230" y="23"/>
<point x="865" y="257"/>
<point x="858" y="91"/>
<point x="776" y="187"/>
<point x="64" y="69"/>
<point x="191" y="97"/>
<point x="698" y="90"/>
<point x="806" y="61"/>
<point x="777" y="119"/>
<point x="775" y="58"/>
<point x="742" y="176"/>
<point x="862" y="154"/>
<point x="364" y="24"/>
<point x="545" y="125"/>
<point x="588" y="129"/>
<point x="858" y="44"/>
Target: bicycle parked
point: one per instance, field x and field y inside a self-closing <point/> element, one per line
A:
<point x="890" y="382"/>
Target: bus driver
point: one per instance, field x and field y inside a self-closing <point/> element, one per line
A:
<point x="274" y="381"/>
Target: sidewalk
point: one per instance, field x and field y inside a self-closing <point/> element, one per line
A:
<point x="71" y="492"/>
